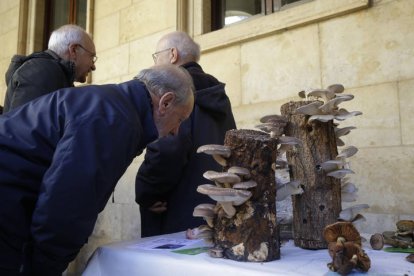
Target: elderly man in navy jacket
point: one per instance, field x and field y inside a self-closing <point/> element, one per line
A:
<point x="62" y="154"/>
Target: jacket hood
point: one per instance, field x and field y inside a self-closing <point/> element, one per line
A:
<point x="213" y="100"/>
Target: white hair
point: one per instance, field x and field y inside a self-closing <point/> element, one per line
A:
<point x="62" y="37"/>
<point x="160" y="79"/>
<point x="186" y="46"/>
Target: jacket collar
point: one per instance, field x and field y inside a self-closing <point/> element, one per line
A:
<point x="141" y="100"/>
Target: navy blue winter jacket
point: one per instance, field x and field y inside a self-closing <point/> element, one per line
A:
<point x="61" y="156"/>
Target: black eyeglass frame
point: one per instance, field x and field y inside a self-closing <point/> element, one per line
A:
<point x="93" y="56"/>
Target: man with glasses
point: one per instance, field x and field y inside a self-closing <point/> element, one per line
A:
<point x="167" y="180"/>
<point x="70" y="57"/>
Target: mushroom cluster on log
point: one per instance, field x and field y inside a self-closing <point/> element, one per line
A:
<point x="321" y="171"/>
<point x="243" y="222"/>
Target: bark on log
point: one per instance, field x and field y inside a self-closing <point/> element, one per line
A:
<point x="252" y="234"/>
<point x="320" y="204"/>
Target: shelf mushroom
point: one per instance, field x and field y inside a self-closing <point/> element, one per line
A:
<point x="241" y="172"/>
<point x="226" y="197"/>
<point x="351" y="214"/>
<point x="206" y="211"/>
<point x="339" y="167"/>
<point x="273" y="124"/>
<point x="225" y="179"/>
<point x="327" y="109"/>
<point x="348" y="191"/>
<point x="288" y="189"/>
<point x="219" y="152"/>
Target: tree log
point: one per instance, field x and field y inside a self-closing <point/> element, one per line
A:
<point x="320" y="204"/>
<point x="252" y="234"/>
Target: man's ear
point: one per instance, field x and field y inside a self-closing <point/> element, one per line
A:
<point x="166" y="102"/>
<point x="72" y="51"/>
<point x="174" y="56"/>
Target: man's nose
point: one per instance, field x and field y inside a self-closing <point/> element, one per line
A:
<point x="93" y="67"/>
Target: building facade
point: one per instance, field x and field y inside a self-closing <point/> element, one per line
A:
<point x="265" y="60"/>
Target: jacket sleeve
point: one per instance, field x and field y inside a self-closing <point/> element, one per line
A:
<point x="35" y="79"/>
<point x="88" y="161"/>
<point x="163" y="166"/>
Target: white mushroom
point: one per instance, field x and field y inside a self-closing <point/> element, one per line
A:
<point x="202" y="232"/>
<point x="225" y="178"/>
<point x="343" y="131"/>
<point x="242" y="172"/>
<point x="288" y="189"/>
<point x="310" y="109"/>
<point x="347" y="152"/>
<point x="273" y="118"/>
<point x="348" y="196"/>
<point x="219" y="152"/>
<point x="206" y="211"/>
<point x="288" y="140"/>
<point x="343" y="114"/>
<point x="332" y="165"/>
<point x="285" y="143"/>
<point x="350" y="213"/>
<point x="245" y="185"/>
<point x="226" y="197"/>
<point x="348" y="191"/>
<point x="336" y="88"/>
<point x="271" y="128"/>
<point x="341" y="173"/>
<point x="325" y="94"/>
<point x="348" y="187"/>
<point x="321" y="117"/>
<point x="339" y="142"/>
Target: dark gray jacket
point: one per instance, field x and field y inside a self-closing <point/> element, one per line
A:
<point x="29" y="77"/>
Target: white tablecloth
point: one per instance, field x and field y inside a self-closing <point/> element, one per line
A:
<point x="129" y="258"/>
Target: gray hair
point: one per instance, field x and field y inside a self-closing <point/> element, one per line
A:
<point x="62" y="37"/>
<point x="186" y="46"/>
<point x="160" y="79"/>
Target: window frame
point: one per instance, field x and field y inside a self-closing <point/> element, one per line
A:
<point x="294" y="15"/>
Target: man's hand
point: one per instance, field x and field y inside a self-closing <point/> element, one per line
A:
<point x="158" y="207"/>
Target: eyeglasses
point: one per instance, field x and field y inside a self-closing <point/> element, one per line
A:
<point x="155" y="55"/>
<point x="93" y="55"/>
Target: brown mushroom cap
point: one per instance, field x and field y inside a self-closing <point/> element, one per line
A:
<point x="405" y="225"/>
<point x="344" y="229"/>
<point x="349" y="253"/>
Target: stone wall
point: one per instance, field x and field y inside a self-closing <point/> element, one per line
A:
<point x="368" y="49"/>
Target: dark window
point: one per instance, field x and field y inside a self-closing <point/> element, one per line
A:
<point x="226" y="12"/>
<point x="61" y="12"/>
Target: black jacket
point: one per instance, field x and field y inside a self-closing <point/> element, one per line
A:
<point x="172" y="169"/>
<point x="61" y="156"/>
<point x="29" y="77"/>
